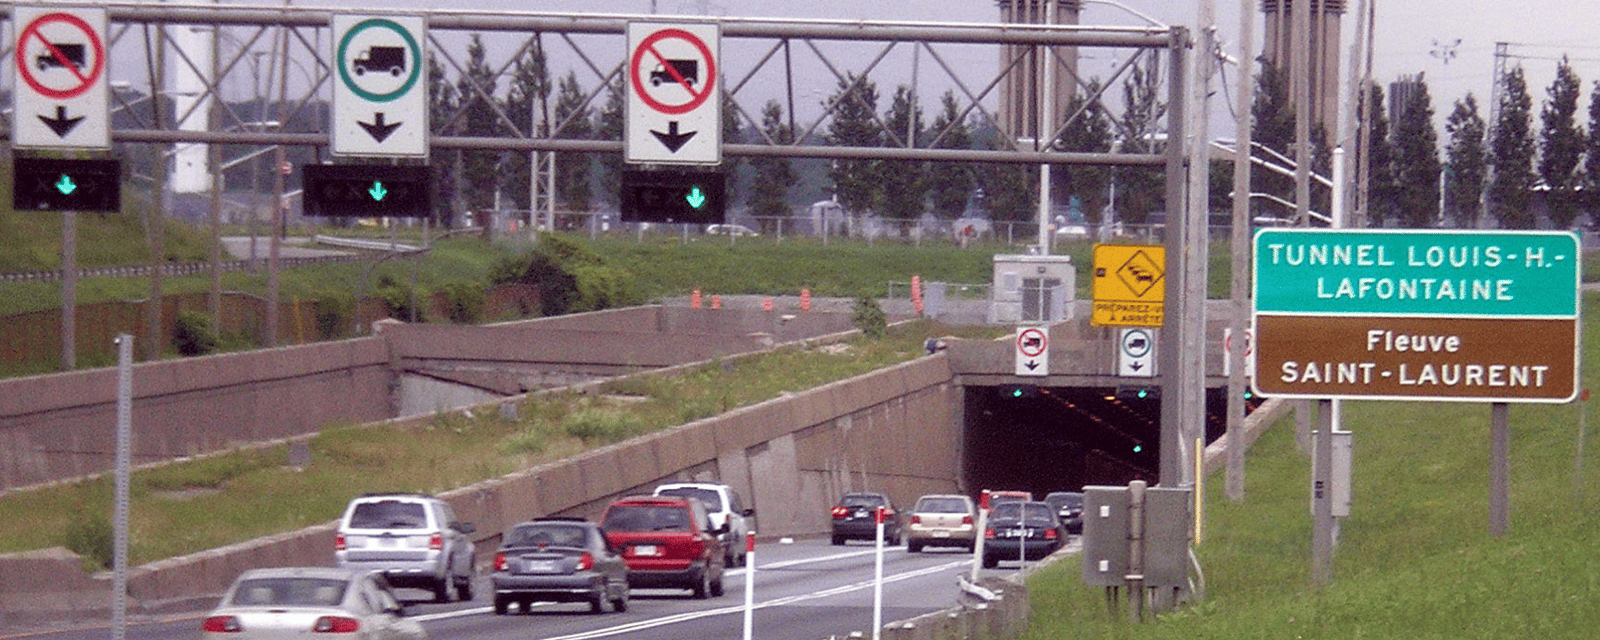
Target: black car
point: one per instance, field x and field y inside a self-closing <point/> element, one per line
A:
<point x="1069" y="508"/>
<point x="1021" y="531"/>
<point x="854" y="518"/>
<point x="559" y="560"/>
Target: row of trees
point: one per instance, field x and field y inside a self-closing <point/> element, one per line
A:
<point x="1489" y="176"/>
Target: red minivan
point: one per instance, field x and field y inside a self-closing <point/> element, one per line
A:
<point x="667" y="542"/>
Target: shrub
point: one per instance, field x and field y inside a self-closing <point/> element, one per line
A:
<point x="869" y="318"/>
<point x="463" y="302"/>
<point x="90" y="535"/>
<point x="193" y="336"/>
<point x="334" y="313"/>
<point x="398" y="297"/>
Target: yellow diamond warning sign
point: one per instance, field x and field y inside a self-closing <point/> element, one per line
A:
<point x="1129" y="286"/>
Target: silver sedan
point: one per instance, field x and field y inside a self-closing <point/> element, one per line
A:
<point x="293" y="602"/>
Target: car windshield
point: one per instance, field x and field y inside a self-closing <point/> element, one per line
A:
<point x="1037" y="514"/>
<point x="862" y="501"/>
<point x="647" y="518"/>
<point x="545" y="535"/>
<point x="389" y="514"/>
<point x="712" y="499"/>
<point x="1065" y="500"/>
<point x="941" y="505"/>
<point x="289" y="592"/>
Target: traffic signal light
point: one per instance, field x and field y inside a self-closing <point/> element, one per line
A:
<point x="1019" y="391"/>
<point x="1138" y="393"/>
<point x="694" y="197"/>
<point x="368" y="191"/>
<point x="40" y="184"/>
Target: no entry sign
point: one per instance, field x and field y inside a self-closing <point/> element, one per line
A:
<point x="61" y="89"/>
<point x="674" y="108"/>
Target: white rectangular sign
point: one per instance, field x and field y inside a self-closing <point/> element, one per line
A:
<point x="380" y="88"/>
<point x="1136" y="352"/>
<point x="61" y="92"/>
<point x="1033" y="351"/>
<point x="674" y="94"/>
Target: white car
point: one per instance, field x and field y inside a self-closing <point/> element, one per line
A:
<point x="300" y="602"/>
<point x="724" y="506"/>
<point x="730" y="230"/>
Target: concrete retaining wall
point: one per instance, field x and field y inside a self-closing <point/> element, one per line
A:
<point x="783" y="454"/>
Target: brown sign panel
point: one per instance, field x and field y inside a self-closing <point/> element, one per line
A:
<point x="1374" y="357"/>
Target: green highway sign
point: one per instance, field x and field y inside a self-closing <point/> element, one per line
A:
<point x="1433" y="273"/>
<point x="1425" y="315"/>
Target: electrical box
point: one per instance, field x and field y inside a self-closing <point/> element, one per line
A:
<point x="1035" y="289"/>
<point x="1168" y="523"/>
<point x="1105" y="536"/>
<point x="1342" y="444"/>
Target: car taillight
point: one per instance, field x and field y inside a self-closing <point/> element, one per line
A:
<point x="436" y="542"/>
<point x="1050" y="534"/>
<point x="221" y="624"/>
<point x="916" y="519"/>
<point x="336" y="624"/>
<point x="988" y="534"/>
<point x="966" y="519"/>
<point x="840" y="512"/>
<point x="338" y="542"/>
<point x="500" y="561"/>
<point x="585" y="561"/>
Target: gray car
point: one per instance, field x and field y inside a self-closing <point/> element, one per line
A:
<point x="413" y="539"/>
<point x="559" y="560"/>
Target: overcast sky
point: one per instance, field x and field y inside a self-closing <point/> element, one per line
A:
<point x="1412" y="35"/>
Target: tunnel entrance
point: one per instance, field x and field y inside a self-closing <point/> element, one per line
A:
<point x="1043" y="439"/>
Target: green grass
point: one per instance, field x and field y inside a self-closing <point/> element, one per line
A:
<point x="206" y="503"/>
<point x="1415" y="558"/>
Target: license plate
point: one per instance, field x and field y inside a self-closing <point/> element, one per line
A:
<point x="1012" y="533"/>
<point x="941" y="534"/>
<point x="646" y="550"/>
<point x="540" y="566"/>
<point x="388" y="542"/>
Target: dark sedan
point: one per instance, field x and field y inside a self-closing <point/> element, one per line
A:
<point x="1020" y="531"/>
<point x="854" y="518"/>
<point x="559" y="560"/>
<point x="1069" y="508"/>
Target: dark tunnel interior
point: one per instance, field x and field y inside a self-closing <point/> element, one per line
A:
<point x="1043" y="439"/>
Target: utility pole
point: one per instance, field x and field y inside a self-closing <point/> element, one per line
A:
<point x="1239" y="242"/>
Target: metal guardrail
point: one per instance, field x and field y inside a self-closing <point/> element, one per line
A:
<point x="175" y="269"/>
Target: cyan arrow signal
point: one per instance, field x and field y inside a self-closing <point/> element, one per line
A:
<point x="696" y="197"/>
<point x="377" y="191"/>
<point x="65" y="185"/>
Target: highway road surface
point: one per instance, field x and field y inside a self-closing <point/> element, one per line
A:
<point x="807" y="590"/>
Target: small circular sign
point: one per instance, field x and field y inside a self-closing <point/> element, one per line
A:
<point x="1136" y="343"/>
<point x="380" y="63"/>
<point x="663" y="71"/>
<point x="60" y="50"/>
<point x="1032" y="342"/>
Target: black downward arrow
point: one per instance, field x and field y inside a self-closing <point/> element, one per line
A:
<point x="378" y="129"/>
<point x="1136" y="366"/>
<point x="1031" y="365"/>
<point x="672" y="139"/>
<point x="61" y="124"/>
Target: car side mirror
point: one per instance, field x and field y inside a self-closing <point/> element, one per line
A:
<point x="465" y="527"/>
<point x="748" y="512"/>
<point x="725" y="528"/>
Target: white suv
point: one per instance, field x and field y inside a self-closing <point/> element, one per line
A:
<point x="413" y="539"/>
<point x="725" y="508"/>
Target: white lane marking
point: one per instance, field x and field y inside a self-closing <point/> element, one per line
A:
<point x="706" y="613"/>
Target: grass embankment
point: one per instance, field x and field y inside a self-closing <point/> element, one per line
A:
<point x="1415" y="559"/>
<point x="207" y="503"/>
